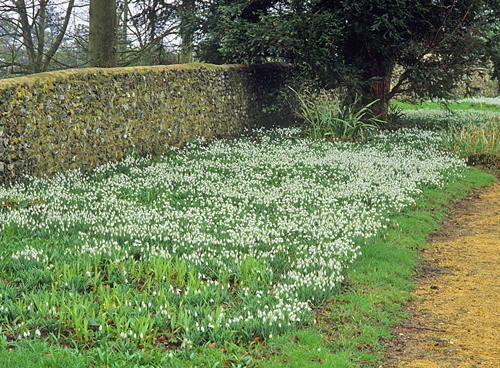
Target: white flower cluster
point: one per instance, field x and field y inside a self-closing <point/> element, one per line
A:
<point x="444" y="118"/>
<point x="31" y="253"/>
<point x="282" y="217"/>
<point x="482" y="100"/>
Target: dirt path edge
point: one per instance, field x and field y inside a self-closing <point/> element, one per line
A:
<point x="455" y="319"/>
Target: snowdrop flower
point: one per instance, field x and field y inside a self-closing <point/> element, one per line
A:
<point x="243" y="209"/>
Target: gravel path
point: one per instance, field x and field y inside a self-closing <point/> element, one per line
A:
<point x="455" y="319"/>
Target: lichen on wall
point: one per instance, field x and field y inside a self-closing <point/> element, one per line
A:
<point x="56" y="121"/>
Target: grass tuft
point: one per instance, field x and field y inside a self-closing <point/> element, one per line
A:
<point x="479" y="144"/>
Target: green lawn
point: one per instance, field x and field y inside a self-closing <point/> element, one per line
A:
<point x="472" y="103"/>
<point x="438" y="115"/>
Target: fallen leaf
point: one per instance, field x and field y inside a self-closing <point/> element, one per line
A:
<point x="294" y="338"/>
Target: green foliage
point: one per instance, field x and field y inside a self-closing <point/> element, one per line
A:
<point x="470" y="103"/>
<point x="249" y="32"/>
<point x="479" y="144"/>
<point x="443" y="114"/>
<point x="326" y="117"/>
<point x="469" y="128"/>
<point x="395" y="115"/>
<point x="334" y="43"/>
<point x="477" y="83"/>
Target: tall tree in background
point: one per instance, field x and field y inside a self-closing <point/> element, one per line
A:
<point x="29" y="28"/>
<point x="182" y="20"/>
<point x="154" y="22"/>
<point x="357" y="44"/>
<point x="187" y="27"/>
<point x="102" y="34"/>
<point x="123" y="20"/>
<point x="43" y="35"/>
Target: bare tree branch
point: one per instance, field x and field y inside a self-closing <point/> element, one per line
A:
<point x="55" y="45"/>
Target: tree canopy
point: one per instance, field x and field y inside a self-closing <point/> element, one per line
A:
<point x="357" y="44"/>
<point x="372" y="48"/>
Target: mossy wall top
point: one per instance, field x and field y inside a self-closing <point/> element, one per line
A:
<point x="55" y="121"/>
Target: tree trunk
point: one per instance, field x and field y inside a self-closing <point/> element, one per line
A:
<point x="124" y="28"/>
<point x="375" y="75"/>
<point x="27" y="38"/>
<point x="41" y="35"/>
<point x="102" y="33"/>
<point x="381" y="90"/>
<point x="187" y="27"/>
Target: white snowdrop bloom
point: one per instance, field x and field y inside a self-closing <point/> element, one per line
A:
<point x="284" y="217"/>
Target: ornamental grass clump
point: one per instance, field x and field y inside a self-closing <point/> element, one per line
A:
<point x="325" y="116"/>
<point x="479" y="144"/>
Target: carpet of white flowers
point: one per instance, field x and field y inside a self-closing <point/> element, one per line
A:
<point x="445" y="118"/>
<point x="458" y="118"/>
<point x="225" y="241"/>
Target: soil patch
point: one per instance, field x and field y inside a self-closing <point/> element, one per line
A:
<point x="455" y="319"/>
